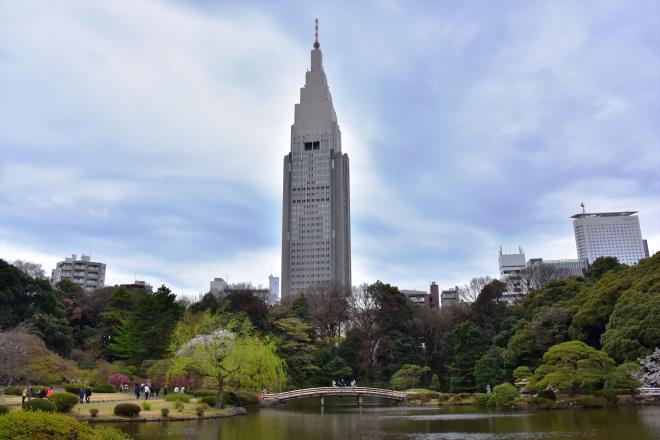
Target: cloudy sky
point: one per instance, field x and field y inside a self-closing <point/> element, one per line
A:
<point x="151" y="134"/>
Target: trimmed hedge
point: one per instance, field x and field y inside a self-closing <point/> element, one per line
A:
<point x="209" y="400"/>
<point x="204" y="393"/>
<point x="609" y="396"/>
<point x="64" y="402"/>
<point x="93" y="412"/>
<point x="127" y="410"/>
<point x="178" y="397"/>
<point x="13" y="391"/>
<point x="39" y="405"/>
<point x="485" y="400"/>
<point x="542" y="403"/>
<point x="40" y="425"/>
<point x="593" y="402"/>
<point x="200" y="411"/>
<point x="165" y="412"/>
<point x="73" y="389"/>
<point x="248" y="398"/>
<point x="547" y="394"/>
<point x="104" y="389"/>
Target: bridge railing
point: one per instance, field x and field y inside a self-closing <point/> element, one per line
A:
<point x="649" y="391"/>
<point x="335" y="391"/>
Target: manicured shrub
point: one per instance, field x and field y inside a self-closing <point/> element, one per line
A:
<point x="104" y="389"/>
<point x="230" y="398"/>
<point x="608" y="395"/>
<point x="73" y="389"/>
<point x="93" y="412"/>
<point x="421" y="394"/>
<point x="127" y="410"/>
<point x="485" y="400"/>
<point x="204" y="393"/>
<point x="547" y="394"/>
<point x="39" y="405"/>
<point x="146" y="406"/>
<point x="177" y="397"/>
<point x="40" y="425"/>
<point x="179" y="405"/>
<point x="63" y="401"/>
<point x="200" y="411"/>
<point x="4" y="409"/>
<point x="209" y="400"/>
<point x="542" y="403"/>
<point x="165" y="412"/>
<point x="593" y="402"/>
<point x="248" y="398"/>
<point x="505" y="394"/>
<point x="13" y="391"/>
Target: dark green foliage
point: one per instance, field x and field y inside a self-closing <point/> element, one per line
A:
<point x="299" y="307"/>
<point x="409" y="376"/>
<point x="13" y="391"/>
<point x="200" y="411"/>
<point x="4" y="409"/>
<point x="127" y="410"/>
<point x="39" y="405"/>
<point x="165" y="412"/>
<point x="73" y="389"/>
<point x="489" y="369"/>
<point x="485" y="400"/>
<point x="593" y="402"/>
<point x="608" y="395"/>
<point x="230" y="398"/>
<point x="247" y="398"/>
<point x="204" y="393"/>
<point x="601" y="266"/>
<point x="435" y="383"/>
<point x="469" y="345"/>
<point x="104" y="389"/>
<point x="31" y="425"/>
<point x="211" y="400"/>
<point x="64" y="402"/>
<point x="541" y="403"/>
<point x="244" y="301"/>
<point x="505" y="395"/>
<point x="547" y="394"/>
<point x="54" y="331"/>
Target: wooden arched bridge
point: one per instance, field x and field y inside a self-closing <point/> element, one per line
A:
<point x="322" y="392"/>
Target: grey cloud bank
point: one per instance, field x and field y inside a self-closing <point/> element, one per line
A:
<point x="151" y="136"/>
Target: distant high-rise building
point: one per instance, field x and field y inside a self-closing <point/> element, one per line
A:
<point x="512" y="267"/>
<point x="427" y="299"/>
<point x="89" y="275"/>
<point x="316" y="227"/>
<point x="646" y="248"/>
<point x="218" y="286"/>
<point x="138" y="285"/>
<point x="450" y="297"/>
<point x="540" y="271"/>
<point x="609" y="234"/>
<point x="274" y="288"/>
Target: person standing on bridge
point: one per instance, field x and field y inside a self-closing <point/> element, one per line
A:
<point x="353" y="383"/>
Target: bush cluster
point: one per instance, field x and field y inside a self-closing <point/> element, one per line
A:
<point x="547" y="394"/>
<point x="542" y="403"/>
<point x="13" y="391"/>
<point x="4" y="409"/>
<point x="73" y="389"/>
<point x="609" y="396"/>
<point x="63" y="402"/>
<point x="179" y="405"/>
<point x="593" y="402"/>
<point x="505" y="394"/>
<point x="164" y="411"/>
<point x="39" y="405"/>
<point x="209" y="400"/>
<point x="39" y="425"/>
<point x="146" y="406"/>
<point x="200" y="411"/>
<point x="104" y="389"/>
<point x="127" y="410"/>
<point x="485" y="400"/>
<point x="204" y="393"/>
<point x="178" y="397"/>
<point x="93" y="412"/>
<point x="424" y="395"/>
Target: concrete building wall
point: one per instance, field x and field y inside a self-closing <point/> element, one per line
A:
<point x="316" y="244"/>
<point x="89" y="275"/>
<point x="609" y="234"/>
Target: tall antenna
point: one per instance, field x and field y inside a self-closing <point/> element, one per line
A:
<point x="582" y="204"/>
<point x="316" y="34"/>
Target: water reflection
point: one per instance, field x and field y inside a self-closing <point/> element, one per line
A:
<point x="399" y="423"/>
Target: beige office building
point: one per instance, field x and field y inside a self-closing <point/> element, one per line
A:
<point x="316" y="227"/>
<point x="88" y="274"/>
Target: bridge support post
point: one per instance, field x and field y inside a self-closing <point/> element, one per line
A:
<point x="322" y="401"/>
<point x="359" y="399"/>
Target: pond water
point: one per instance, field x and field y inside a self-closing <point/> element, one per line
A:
<point x="411" y="423"/>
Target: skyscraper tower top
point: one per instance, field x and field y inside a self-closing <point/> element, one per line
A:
<point x="316" y="34"/>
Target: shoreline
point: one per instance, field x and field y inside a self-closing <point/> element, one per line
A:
<point x="236" y="411"/>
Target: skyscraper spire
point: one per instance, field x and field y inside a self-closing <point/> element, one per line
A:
<point x="316" y="34"/>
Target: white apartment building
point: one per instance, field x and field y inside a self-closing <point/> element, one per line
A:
<point x="512" y="267"/>
<point x="87" y="274"/>
<point x="274" y="289"/>
<point x="609" y="234"/>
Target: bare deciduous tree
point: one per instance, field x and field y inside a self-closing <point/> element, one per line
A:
<point x="469" y="292"/>
<point x="31" y="269"/>
<point x="328" y="308"/>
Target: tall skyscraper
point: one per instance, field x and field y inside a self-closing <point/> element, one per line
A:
<point x="316" y="225"/>
<point x="608" y="234"/>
